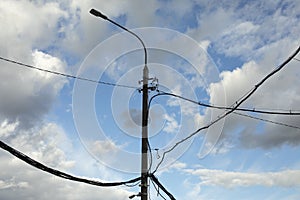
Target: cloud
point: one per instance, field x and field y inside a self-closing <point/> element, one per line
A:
<point x="7" y="128"/>
<point x="171" y="125"/>
<point x="28" y="94"/>
<point x="244" y="37"/>
<point x="226" y="179"/>
<point x="177" y="165"/>
<point x="45" y="144"/>
<point x="280" y="90"/>
<point x="21" y="32"/>
<point x="104" y="147"/>
<point x="82" y="32"/>
<point x="273" y="135"/>
<point x="259" y="33"/>
<point x="55" y="34"/>
<point x="132" y="118"/>
<point x="245" y="27"/>
<point x="194" y="192"/>
<point x="33" y="184"/>
<point x="12" y="185"/>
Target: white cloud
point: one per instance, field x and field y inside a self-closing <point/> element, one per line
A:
<point x="21" y="32"/>
<point x="194" y="191"/>
<point x="226" y="179"/>
<point x="222" y="147"/>
<point x="178" y="165"/>
<point x="28" y="94"/>
<point x="33" y="184"/>
<point x="12" y="184"/>
<point x="45" y="33"/>
<point x="210" y="25"/>
<point x="7" y="128"/>
<point x="280" y="90"/>
<point x="46" y="145"/>
<point x="246" y="77"/>
<point x="104" y="147"/>
<point x="239" y="38"/>
<point x="171" y="125"/>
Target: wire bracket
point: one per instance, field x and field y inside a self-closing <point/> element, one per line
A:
<point x="153" y="86"/>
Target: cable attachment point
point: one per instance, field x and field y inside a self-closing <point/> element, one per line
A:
<point x="153" y="86"/>
<point x="135" y="195"/>
<point x="157" y="154"/>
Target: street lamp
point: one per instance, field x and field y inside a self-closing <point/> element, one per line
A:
<point x="144" y="150"/>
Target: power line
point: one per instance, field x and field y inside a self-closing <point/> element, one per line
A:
<point x="236" y="105"/>
<point x="266" y="120"/>
<point x="157" y="190"/>
<point x="60" y="174"/>
<point x="133" y="185"/>
<point x="296" y="59"/>
<point x="65" y="75"/>
<point x="151" y="156"/>
<point x="254" y="110"/>
<point x="159" y="185"/>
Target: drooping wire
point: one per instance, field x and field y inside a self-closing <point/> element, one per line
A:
<point x="226" y="108"/>
<point x="161" y="93"/>
<point x="236" y="105"/>
<point x="151" y="156"/>
<point x="132" y="185"/>
<point x="65" y="75"/>
<point x="159" y="185"/>
<point x="267" y="120"/>
<point x="240" y="109"/>
<point x="290" y="112"/>
<point x="58" y="173"/>
<point x="157" y="190"/>
<point x="148" y="143"/>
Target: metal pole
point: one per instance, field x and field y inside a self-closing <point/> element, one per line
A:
<point x="144" y="170"/>
<point x="144" y="148"/>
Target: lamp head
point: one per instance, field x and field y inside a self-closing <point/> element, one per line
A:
<point x="98" y="14"/>
<point x="132" y="196"/>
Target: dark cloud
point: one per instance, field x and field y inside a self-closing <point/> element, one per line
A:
<point x="271" y="135"/>
<point x="27" y="95"/>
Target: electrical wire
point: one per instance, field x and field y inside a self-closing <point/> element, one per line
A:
<point x="266" y="120"/>
<point x="157" y="190"/>
<point x="254" y="110"/>
<point x="66" y="75"/>
<point x="132" y="185"/>
<point x="159" y="185"/>
<point x="236" y="105"/>
<point x="148" y="143"/>
<point x="151" y="156"/>
<point x="60" y="174"/>
<point x="290" y="112"/>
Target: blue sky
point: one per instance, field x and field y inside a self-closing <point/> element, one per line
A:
<point x="213" y="52"/>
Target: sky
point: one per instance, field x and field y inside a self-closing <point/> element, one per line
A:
<point x="212" y="52"/>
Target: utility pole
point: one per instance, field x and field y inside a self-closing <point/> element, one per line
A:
<point x="144" y="170"/>
<point x="144" y="149"/>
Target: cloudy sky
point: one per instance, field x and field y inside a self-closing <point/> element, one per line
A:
<point x="208" y="51"/>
